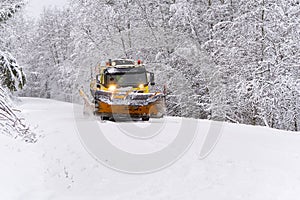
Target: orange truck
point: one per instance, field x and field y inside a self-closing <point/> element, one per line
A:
<point x="121" y="90"/>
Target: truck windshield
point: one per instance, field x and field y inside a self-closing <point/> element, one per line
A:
<point x="127" y="79"/>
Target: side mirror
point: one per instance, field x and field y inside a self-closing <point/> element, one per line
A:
<point x="98" y="81"/>
<point x="152" y="78"/>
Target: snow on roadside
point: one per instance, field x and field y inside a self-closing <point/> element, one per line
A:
<point x="247" y="163"/>
<point x="11" y="122"/>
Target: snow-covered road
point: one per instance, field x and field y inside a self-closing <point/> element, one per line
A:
<point x="247" y="163"/>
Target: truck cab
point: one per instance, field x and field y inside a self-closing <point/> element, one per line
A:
<point x="123" y="75"/>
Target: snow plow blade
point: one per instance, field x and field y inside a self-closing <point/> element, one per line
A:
<point x="132" y="105"/>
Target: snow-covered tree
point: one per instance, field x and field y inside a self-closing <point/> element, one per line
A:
<point x="11" y="74"/>
<point x="247" y="50"/>
<point x="49" y="60"/>
<point x="11" y="78"/>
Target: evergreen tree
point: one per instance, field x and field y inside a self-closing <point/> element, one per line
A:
<point x="11" y="74"/>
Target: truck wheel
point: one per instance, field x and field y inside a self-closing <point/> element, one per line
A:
<point x="104" y="118"/>
<point x="145" y="118"/>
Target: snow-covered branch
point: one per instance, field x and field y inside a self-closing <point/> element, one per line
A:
<point x="10" y="123"/>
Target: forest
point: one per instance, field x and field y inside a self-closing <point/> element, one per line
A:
<point x="225" y="60"/>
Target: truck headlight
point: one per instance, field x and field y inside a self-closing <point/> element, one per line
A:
<point x="141" y="86"/>
<point x="112" y="88"/>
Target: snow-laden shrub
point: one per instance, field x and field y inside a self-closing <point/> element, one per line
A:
<point x="10" y="123"/>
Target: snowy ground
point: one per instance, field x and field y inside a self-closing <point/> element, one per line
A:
<point x="247" y="163"/>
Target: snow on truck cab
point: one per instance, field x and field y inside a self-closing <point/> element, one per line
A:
<point x="121" y="90"/>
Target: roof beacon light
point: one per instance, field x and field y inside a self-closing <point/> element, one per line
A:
<point x="139" y="62"/>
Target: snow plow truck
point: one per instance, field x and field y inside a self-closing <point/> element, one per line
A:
<point x="120" y="90"/>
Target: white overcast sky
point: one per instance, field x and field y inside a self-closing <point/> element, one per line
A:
<point x="35" y="7"/>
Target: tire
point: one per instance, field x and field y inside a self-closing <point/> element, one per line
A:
<point x="145" y="118"/>
<point x="104" y="118"/>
